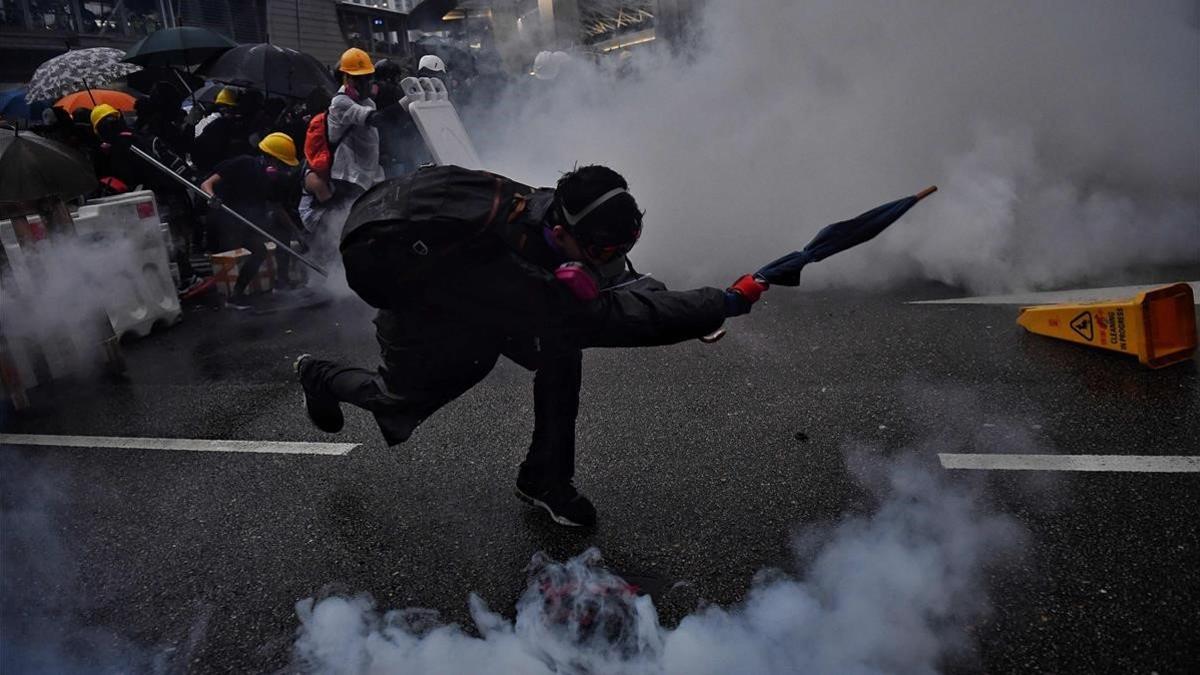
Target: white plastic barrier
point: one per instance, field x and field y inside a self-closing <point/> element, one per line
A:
<point x="427" y="101"/>
<point x="141" y="292"/>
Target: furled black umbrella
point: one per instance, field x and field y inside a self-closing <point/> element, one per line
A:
<point x="77" y="70"/>
<point x="178" y="47"/>
<point x="272" y="69"/>
<point x="838" y="237"/>
<point x="32" y="167"/>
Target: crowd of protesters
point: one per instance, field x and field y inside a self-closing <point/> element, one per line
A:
<point x="255" y="155"/>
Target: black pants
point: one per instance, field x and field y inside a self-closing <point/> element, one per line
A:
<point x="257" y="245"/>
<point x="237" y="235"/>
<point x="180" y="224"/>
<point x="551" y="456"/>
<point x="423" y="373"/>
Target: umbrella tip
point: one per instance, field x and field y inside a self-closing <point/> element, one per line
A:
<point x="926" y="192"/>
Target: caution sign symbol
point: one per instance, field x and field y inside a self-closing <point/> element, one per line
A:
<point x="1082" y="325"/>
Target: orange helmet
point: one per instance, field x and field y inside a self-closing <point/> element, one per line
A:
<point x="355" y="61"/>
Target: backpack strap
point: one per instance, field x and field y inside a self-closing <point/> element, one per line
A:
<point x="516" y="236"/>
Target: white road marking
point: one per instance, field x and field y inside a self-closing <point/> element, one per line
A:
<point x="1132" y="463"/>
<point x="185" y="444"/>
<point x="1047" y="297"/>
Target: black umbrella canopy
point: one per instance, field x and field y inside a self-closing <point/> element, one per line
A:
<point x="144" y="80"/>
<point x="208" y="93"/>
<point x="32" y="167"/>
<point x="275" y="70"/>
<point x="179" y="47"/>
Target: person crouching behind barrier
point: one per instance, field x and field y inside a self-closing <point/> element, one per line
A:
<point x="255" y="186"/>
<point x="126" y="170"/>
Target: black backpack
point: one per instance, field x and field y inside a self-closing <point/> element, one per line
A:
<point x="399" y="230"/>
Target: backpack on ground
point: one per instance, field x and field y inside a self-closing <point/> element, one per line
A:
<point x="399" y="230"/>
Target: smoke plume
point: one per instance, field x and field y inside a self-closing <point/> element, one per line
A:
<point x="1065" y="137"/>
<point x="55" y="294"/>
<point x="889" y="592"/>
<point x="43" y="628"/>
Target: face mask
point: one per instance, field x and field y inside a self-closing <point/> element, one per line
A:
<point x="353" y="84"/>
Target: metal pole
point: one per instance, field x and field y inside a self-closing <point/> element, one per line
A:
<point x="194" y="188"/>
<point x="115" y="15"/>
<point x="185" y="84"/>
<point x="77" y="16"/>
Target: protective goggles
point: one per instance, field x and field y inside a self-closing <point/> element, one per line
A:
<point x="602" y="252"/>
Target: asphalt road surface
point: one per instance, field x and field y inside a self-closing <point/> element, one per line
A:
<point x="702" y="460"/>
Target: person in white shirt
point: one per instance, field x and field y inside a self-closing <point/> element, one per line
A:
<point x="353" y="136"/>
<point x="226" y="100"/>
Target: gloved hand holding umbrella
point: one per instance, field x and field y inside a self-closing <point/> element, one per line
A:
<point x="835" y="238"/>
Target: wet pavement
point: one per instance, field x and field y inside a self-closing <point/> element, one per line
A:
<point x="703" y="460"/>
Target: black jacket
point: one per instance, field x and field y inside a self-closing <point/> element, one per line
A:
<point x="506" y="291"/>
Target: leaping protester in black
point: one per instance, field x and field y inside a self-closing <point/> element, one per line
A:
<point x="466" y="266"/>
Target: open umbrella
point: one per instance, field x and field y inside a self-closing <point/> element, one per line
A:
<point x="32" y="167"/>
<point x="77" y="70"/>
<point x="208" y="93"/>
<point x="13" y="104"/>
<point x="838" y="237"/>
<point x="94" y="97"/>
<point x="145" y="80"/>
<point x="271" y="69"/>
<point x="178" y="47"/>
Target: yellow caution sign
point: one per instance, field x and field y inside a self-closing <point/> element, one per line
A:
<point x="1158" y="326"/>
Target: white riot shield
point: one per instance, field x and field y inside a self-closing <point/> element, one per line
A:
<point x="427" y="102"/>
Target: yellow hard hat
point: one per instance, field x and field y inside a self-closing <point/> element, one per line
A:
<point x="227" y="96"/>
<point x="280" y="146"/>
<point x="100" y="112"/>
<point x="355" y="61"/>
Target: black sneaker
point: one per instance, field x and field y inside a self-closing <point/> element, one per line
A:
<point x="239" y="301"/>
<point x="324" y="411"/>
<point x="562" y="501"/>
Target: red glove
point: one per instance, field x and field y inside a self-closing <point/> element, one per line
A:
<point x="743" y="293"/>
<point x="750" y="287"/>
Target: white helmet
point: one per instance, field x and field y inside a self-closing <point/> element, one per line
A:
<point x="431" y="62"/>
<point x="545" y="65"/>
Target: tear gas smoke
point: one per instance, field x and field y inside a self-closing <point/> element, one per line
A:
<point x="1065" y="137"/>
<point x="56" y="292"/>
<point x="891" y="592"/>
<point x="41" y="624"/>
